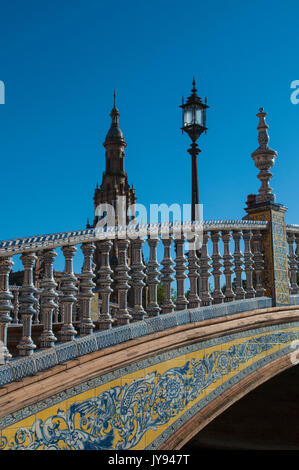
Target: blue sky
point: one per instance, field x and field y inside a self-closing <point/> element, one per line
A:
<point x="61" y="61"/>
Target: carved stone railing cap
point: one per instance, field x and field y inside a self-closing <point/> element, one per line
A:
<point x="292" y="228"/>
<point x="55" y="240"/>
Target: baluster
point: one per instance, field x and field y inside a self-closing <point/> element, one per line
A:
<point x="250" y="292"/>
<point x="137" y="270"/>
<point x="60" y="307"/>
<point x="15" y="292"/>
<point x="85" y="289"/>
<point x="238" y="259"/>
<point x="258" y="263"/>
<point x="292" y="264"/>
<point x="104" y="282"/>
<point x="48" y="298"/>
<point x="228" y="264"/>
<point x="27" y="301"/>
<point x="167" y="278"/>
<point x="153" y="308"/>
<point x="36" y="319"/>
<point x="68" y="289"/>
<point x="204" y="263"/>
<point x="180" y="268"/>
<point x="193" y="274"/>
<point x="6" y="306"/>
<point x="297" y="251"/>
<point x="218" y="296"/>
<point x="122" y="279"/>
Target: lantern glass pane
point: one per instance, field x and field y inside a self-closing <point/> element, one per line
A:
<point x="199" y="117"/>
<point x="187" y="117"/>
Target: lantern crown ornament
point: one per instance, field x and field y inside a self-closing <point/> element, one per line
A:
<point x="194" y="114"/>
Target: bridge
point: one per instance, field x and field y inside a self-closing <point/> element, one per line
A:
<point x="145" y="352"/>
<point x="139" y="378"/>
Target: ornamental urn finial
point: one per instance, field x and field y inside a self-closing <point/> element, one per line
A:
<point x="264" y="158"/>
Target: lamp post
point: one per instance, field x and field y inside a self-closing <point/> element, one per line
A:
<point x="194" y="124"/>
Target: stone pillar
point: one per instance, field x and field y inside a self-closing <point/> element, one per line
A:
<point x="238" y="259"/>
<point x="248" y="257"/>
<point x="15" y="292"/>
<point x="104" y="282"/>
<point x="122" y="278"/>
<point x="292" y="264"/>
<point x="228" y="264"/>
<point x="258" y="263"/>
<point x="27" y="302"/>
<point x="193" y="274"/>
<point x="180" y="268"/>
<point x="263" y="207"/>
<point x="153" y="308"/>
<point x="275" y="277"/>
<point x="6" y="305"/>
<point x="138" y="275"/>
<point x="204" y="262"/>
<point x="167" y="276"/>
<point x="85" y="289"/>
<point x="297" y="251"/>
<point x="68" y="298"/>
<point x="48" y="298"/>
<point x="218" y="296"/>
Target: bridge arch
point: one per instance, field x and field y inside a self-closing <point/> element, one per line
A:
<point x="152" y="392"/>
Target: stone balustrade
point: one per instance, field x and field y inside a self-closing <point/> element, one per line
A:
<point x="188" y="266"/>
<point x="293" y="257"/>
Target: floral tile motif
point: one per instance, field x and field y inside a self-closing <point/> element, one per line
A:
<point x="119" y="416"/>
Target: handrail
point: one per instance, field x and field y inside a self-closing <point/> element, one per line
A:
<point x="55" y="240"/>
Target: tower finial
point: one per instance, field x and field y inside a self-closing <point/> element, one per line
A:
<point x="114" y="95"/>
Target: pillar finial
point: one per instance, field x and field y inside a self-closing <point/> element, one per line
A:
<point x="264" y="158"/>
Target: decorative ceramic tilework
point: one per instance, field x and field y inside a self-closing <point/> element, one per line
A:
<point x="5" y="375"/>
<point x="142" y="409"/>
<point x="122" y="333"/>
<point x="23" y="367"/>
<point x="274" y="248"/>
<point x="169" y="320"/>
<point x="183" y="317"/>
<point x="45" y="359"/>
<point x="138" y="329"/>
<point x="66" y="351"/>
<point x="105" y="338"/>
<point x="86" y="345"/>
<point x="154" y="324"/>
<point x="197" y="315"/>
<point x="294" y="299"/>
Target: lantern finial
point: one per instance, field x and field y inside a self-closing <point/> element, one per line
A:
<point x="194" y="90"/>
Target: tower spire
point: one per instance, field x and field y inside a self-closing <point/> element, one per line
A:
<point x="114" y="134"/>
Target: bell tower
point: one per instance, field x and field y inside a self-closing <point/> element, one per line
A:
<point x="115" y="186"/>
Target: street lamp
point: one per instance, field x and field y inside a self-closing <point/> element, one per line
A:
<point x="194" y="124"/>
